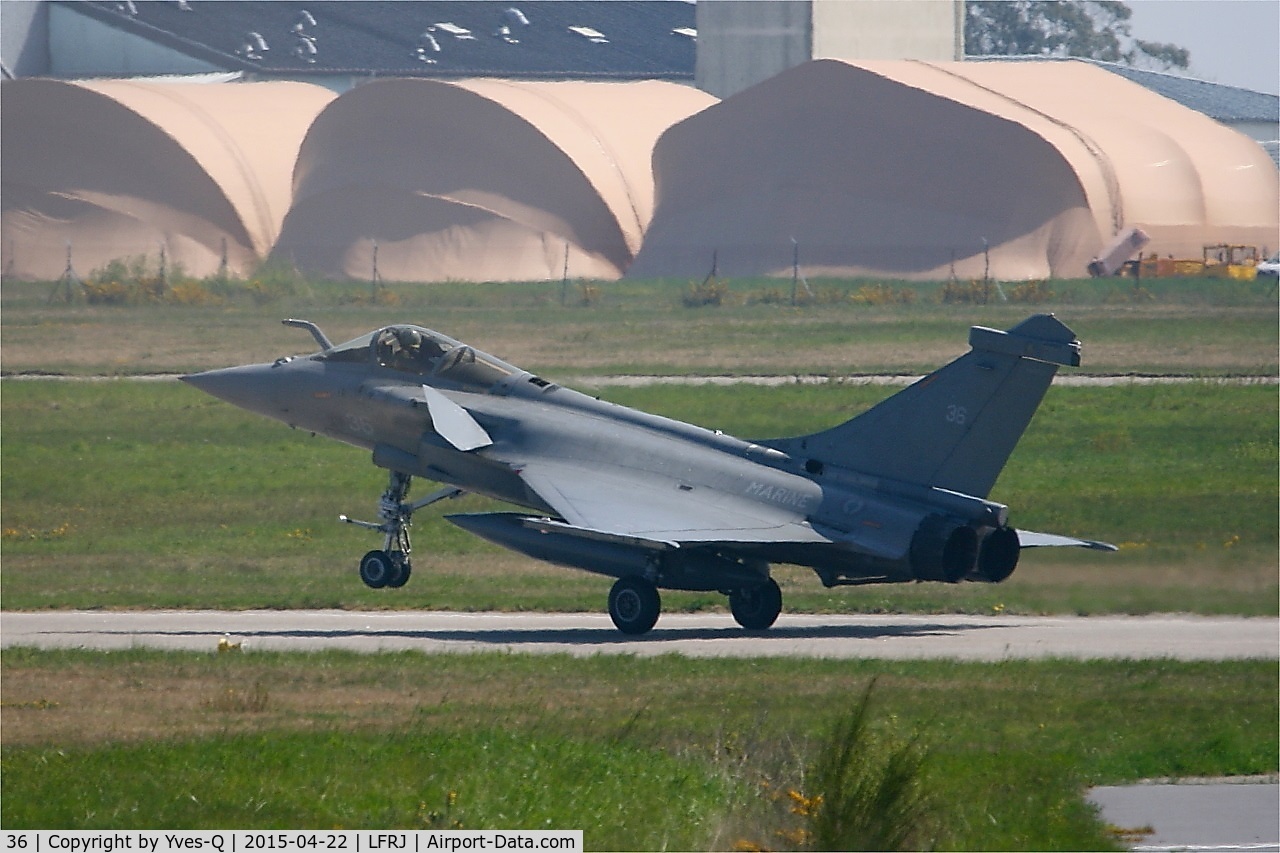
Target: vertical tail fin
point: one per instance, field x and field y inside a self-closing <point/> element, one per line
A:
<point x="955" y="428"/>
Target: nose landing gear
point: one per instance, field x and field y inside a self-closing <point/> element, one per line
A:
<point x="380" y="569"/>
<point x="390" y="566"/>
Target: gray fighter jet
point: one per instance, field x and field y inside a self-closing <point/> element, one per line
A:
<point x="898" y="493"/>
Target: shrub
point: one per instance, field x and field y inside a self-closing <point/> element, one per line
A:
<point x="862" y="789"/>
<point x="883" y="294"/>
<point x="868" y="790"/>
<point x="1031" y="292"/>
<point x="109" y="292"/>
<point x="129" y="281"/>
<point x="972" y="292"/>
<point x="711" y="292"/>
<point x="192" y="293"/>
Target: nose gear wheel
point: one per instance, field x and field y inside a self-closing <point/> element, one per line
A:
<point x="391" y="566"/>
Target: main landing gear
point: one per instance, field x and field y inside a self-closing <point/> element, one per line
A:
<point x="634" y="605"/>
<point x="390" y="566"/>
<point x="756" y="608"/>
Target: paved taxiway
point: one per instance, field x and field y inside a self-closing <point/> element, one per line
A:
<point x="978" y="638"/>
<point x="1204" y="815"/>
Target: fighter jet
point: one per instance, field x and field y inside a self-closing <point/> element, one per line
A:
<point x="896" y="494"/>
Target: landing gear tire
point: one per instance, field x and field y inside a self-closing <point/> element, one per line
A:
<point x="634" y="605"/>
<point x="403" y="569"/>
<point x="390" y="567"/>
<point x="756" y="608"/>
<point x="378" y="569"/>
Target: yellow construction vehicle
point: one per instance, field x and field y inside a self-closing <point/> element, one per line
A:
<point x="1221" y="260"/>
<point x="1228" y="261"/>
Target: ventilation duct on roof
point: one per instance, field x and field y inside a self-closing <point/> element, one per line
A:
<point x="305" y="49"/>
<point x="427" y="45"/>
<point x="254" y="45"/>
<point x="593" y="36"/>
<point x="460" y="33"/>
<point x="513" y="20"/>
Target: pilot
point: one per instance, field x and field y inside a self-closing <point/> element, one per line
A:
<point x="407" y="349"/>
<point x="430" y="353"/>
<point x="408" y="357"/>
<point x="387" y="345"/>
<point x="398" y="348"/>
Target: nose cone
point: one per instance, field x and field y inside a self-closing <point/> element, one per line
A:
<point x="256" y="387"/>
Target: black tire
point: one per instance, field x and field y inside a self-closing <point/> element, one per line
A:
<point x="403" y="569"/>
<point x="634" y="605"/>
<point x="377" y="569"/>
<point x="756" y="608"/>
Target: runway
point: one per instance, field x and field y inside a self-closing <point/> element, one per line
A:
<point x="898" y="637"/>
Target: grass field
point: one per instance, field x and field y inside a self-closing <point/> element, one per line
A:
<point x="665" y="753"/>
<point x="1191" y="327"/>
<point x="146" y="494"/>
<point x="135" y="494"/>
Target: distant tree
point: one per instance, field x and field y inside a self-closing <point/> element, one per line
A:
<point x="1093" y="29"/>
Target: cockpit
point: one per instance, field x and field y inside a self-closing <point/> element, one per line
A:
<point x="417" y="351"/>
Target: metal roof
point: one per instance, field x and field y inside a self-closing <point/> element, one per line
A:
<point x="1216" y="100"/>
<point x="546" y="39"/>
<point x="539" y="39"/>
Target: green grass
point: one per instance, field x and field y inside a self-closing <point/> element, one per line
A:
<point x="415" y="779"/>
<point x="131" y="494"/>
<point x="1194" y="327"/>
<point x="640" y="753"/>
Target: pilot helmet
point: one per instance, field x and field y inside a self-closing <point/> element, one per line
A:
<point x="409" y="338"/>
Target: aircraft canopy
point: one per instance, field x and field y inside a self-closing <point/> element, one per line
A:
<point x="423" y="352"/>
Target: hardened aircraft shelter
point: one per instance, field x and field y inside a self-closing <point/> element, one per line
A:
<point x="900" y="169"/>
<point x="921" y="170"/>
<point x="115" y="169"/>
<point x="431" y="180"/>
<point x="480" y="179"/>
